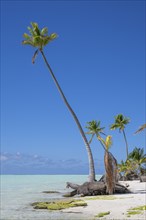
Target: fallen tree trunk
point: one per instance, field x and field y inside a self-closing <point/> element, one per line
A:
<point x="93" y="188"/>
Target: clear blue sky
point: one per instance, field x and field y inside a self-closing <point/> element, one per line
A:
<point x="99" y="61"/>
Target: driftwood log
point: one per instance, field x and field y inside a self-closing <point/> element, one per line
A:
<point x="93" y="188"/>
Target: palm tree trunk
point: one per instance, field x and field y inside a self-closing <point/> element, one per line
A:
<point x="90" y="157"/>
<point x="111" y="172"/>
<point x="126" y="143"/>
<point x="110" y="164"/>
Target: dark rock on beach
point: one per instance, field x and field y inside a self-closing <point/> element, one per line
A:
<point x="143" y="179"/>
<point x="50" y="192"/>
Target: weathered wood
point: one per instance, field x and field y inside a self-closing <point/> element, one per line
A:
<point x="90" y="189"/>
<point x="70" y="194"/>
<point x="72" y="185"/>
<point x="102" y="179"/>
<point x="94" y="188"/>
<point x="110" y="172"/>
<point x="121" y="189"/>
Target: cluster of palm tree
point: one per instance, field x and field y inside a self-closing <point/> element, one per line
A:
<point x="135" y="165"/>
<point x="39" y="38"/>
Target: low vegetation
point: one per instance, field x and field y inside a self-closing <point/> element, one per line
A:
<point x="102" y="214"/>
<point x="106" y="197"/>
<point x="136" y="211"/>
<point x="58" y="205"/>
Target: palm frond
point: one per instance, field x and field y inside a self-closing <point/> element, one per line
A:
<point x="142" y="127"/>
<point x="38" y="38"/>
<point x="53" y="36"/>
<point x="27" y="42"/>
<point x="108" y="141"/>
<point x="31" y="31"/>
<point x="34" y="24"/>
<point x="26" y="36"/>
<point x="114" y="126"/>
<point x="44" y="31"/>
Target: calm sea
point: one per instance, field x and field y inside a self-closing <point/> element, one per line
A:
<point x="19" y="191"/>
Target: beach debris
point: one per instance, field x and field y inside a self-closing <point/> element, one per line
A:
<point x="93" y="189"/>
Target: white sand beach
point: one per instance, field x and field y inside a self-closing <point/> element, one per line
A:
<point x="117" y="205"/>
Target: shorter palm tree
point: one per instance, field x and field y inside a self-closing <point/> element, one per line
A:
<point x="120" y="123"/>
<point x="94" y="129"/>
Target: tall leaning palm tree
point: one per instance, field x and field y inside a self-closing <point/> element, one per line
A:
<point x="120" y="123"/>
<point x="39" y="38"/>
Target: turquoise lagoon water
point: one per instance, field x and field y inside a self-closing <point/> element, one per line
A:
<point x="19" y="191"/>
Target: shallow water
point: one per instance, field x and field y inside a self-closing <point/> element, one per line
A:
<point x="19" y="191"/>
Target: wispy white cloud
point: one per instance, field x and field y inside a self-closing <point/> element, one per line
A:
<point x="25" y="163"/>
<point x="3" y="158"/>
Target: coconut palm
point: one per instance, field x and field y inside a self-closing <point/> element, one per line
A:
<point x="127" y="168"/>
<point x="120" y="123"/>
<point x="135" y="164"/>
<point x="139" y="157"/>
<point x="38" y="39"/>
<point x="94" y="129"/>
<point x="142" y="127"/>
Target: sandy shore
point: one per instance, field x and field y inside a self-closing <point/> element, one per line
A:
<point x="117" y="205"/>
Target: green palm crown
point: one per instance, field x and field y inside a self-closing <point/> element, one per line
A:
<point x="38" y="37"/>
<point x="94" y="129"/>
<point x="138" y="155"/>
<point x="120" y="122"/>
